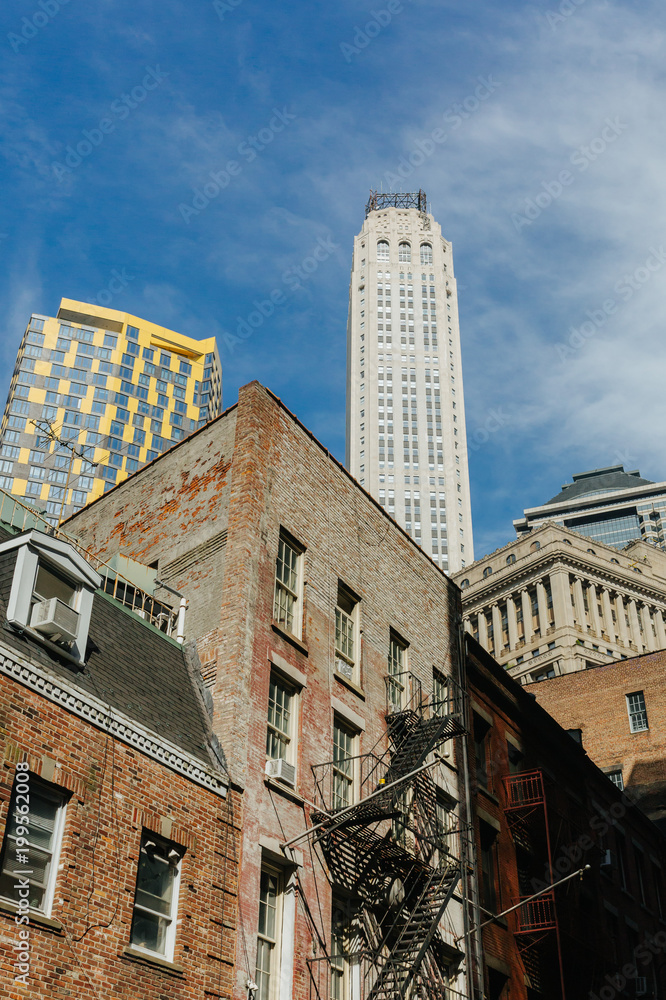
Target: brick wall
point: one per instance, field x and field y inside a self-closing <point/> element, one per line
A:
<point x="115" y="791"/>
<point x="594" y="701"/>
<point x="280" y="477"/>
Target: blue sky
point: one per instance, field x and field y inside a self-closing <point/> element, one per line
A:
<point x="552" y="189"/>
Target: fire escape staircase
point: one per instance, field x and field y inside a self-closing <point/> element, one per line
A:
<point x="536" y="921"/>
<point x="388" y="852"/>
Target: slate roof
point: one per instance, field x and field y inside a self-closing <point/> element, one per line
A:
<point x="613" y="478"/>
<point x="132" y="667"/>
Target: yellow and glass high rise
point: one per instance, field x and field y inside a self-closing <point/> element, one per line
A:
<point x="95" y="394"/>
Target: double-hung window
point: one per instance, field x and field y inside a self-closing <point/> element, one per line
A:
<point x="638" y="720"/>
<point x="268" y="936"/>
<point x="345" y="743"/>
<point x="279" y="734"/>
<point x="340" y="932"/>
<point x="397" y="677"/>
<point x="346" y="633"/>
<point x="156" y="898"/>
<point x="288" y="585"/>
<point x="36" y="816"/>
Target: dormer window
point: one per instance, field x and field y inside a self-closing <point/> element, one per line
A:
<point x="52" y="592"/>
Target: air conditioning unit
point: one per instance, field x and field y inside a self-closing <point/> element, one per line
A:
<point x="607" y="859"/>
<point x="55" y="619"/>
<point x="282" y="770"/>
<point x="641" y="986"/>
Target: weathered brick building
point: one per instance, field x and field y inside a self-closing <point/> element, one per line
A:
<point x="620" y="711"/>
<point x="117" y="820"/>
<point x="314" y="615"/>
<point x="543" y="811"/>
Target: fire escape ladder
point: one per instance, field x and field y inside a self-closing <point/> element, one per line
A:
<point x="537" y="931"/>
<point x="412" y="931"/>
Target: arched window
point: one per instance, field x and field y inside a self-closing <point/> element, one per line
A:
<point x="616" y="561"/>
<point x="426" y="253"/>
<point x="592" y="551"/>
<point x="510" y="560"/>
<point x="566" y="541"/>
<point x="535" y="546"/>
<point x="382" y="250"/>
<point x="487" y="571"/>
<point x="405" y="253"/>
<point x="464" y="584"/>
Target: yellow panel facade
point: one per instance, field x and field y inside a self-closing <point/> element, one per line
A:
<point x="97" y="393"/>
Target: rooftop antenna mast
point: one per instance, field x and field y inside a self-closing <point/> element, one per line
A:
<point x="47" y="429"/>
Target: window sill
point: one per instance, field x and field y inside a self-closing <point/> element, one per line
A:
<point x="292" y="639"/>
<point x="35" y="919"/>
<point x="349" y="684"/>
<point x="135" y="955"/>
<point x="488" y="794"/>
<point x="284" y="789"/>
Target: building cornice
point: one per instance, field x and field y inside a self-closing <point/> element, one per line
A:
<point x="81" y="703"/>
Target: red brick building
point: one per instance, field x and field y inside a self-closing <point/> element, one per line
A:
<point x="620" y="710"/>
<point x="313" y="613"/>
<point x="118" y="873"/>
<point x="543" y="811"/>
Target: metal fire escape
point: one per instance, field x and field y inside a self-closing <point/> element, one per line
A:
<point x="392" y="853"/>
<point x="537" y="930"/>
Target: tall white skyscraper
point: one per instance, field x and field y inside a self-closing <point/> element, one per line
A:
<point x="406" y="441"/>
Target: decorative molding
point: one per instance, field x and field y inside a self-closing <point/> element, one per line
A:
<point x="94" y="711"/>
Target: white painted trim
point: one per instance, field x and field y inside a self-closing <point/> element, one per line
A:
<point x="288" y="937"/>
<point x="86" y="706"/>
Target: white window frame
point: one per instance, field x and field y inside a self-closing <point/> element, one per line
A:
<point x="397" y="657"/>
<point x="274" y="942"/>
<point x="405" y="252"/>
<point x="638" y="719"/>
<point x="35" y="547"/>
<point x="344" y="768"/>
<point x="347" y="659"/>
<point x="285" y="737"/>
<point x="385" y="250"/>
<point x="169" y="848"/>
<point x="291" y="589"/>
<point x="425" y="252"/>
<point x="10" y="863"/>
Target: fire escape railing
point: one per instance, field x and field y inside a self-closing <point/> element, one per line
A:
<point x="392" y="850"/>
<point x="536" y="922"/>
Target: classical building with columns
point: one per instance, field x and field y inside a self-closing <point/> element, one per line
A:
<point x="555" y="601"/>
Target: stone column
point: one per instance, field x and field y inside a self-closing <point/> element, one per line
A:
<point x="513" y="624"/>
<point x="661" y="631"/>
<point x="581" y="617"/>
<point x="497" y="629"/>
<point x="527" y="616"/>
<point x="635" y="627"/>
<point x="542" y="604"/>
<point x="621" y="620"/>
<point x="594" y="611"/>
<point x="559" y="588"/>
<point x="483" y="629"/>
<point x="648" y="635"/>
<point x="608" y="613"/>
